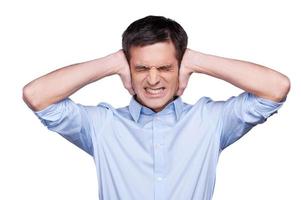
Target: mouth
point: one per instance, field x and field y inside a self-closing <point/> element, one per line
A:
<point x="155" y="92"/>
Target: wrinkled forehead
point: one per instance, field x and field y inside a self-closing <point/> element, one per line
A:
<point x="158" y="54"/>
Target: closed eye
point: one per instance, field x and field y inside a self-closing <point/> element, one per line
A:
<point x="165" y="68"/>
<point x="140" y="68"/>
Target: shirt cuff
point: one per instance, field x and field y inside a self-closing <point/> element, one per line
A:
<point x="267" y="107"/>
<point x="52" y="112"/>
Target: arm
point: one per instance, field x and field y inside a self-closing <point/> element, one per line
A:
<point x="61" y="83"/>
<point x="258" y="80"/>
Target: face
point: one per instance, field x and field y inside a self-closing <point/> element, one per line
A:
<point x="154" y="71"/>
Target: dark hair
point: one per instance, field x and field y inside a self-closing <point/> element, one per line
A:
<point x="153" y="29"/>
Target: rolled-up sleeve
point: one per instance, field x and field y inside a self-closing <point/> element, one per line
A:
<point x="241" y="113"/>
<point x="69" y="120"/>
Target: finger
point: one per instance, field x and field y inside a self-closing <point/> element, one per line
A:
<point x="180" y="92"/>
<point x="181" y="88"/>
<point x="183" y="81"/>
<point x="128" y="86"/>
<point x="127" y="83"/>
<point x="131" y="91"/>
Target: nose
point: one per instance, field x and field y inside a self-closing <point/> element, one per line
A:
<point x="153" y="76"/>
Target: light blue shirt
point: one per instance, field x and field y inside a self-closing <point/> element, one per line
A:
<point x="169" y="155"/>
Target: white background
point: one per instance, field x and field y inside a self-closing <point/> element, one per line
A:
<point x="40" y="36"/>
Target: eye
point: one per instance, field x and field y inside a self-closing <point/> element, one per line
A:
<point x="165" y="68"/>
<point x="141" y="68"/>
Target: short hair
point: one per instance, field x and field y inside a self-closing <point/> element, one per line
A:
<point x="152" y="29"/>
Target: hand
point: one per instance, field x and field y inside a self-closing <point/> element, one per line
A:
<point x="187" y="67"/>
<point x="124" y="71"/>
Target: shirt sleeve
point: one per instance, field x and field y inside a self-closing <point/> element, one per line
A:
<point x="241" y="113"/>
<point x="70" y="120"/>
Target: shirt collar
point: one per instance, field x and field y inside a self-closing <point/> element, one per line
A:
<point x="135" y="108"/>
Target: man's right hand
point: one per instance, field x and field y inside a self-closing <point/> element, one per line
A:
<point x="123" y="70"/>
<point x="43" y="91"/>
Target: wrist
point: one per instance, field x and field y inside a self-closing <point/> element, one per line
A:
<point x="110" y="64"/>
<point x="117" y="61"/>
<point x="195" y="63"/>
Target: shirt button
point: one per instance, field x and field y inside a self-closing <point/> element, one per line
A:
<point x="159" y="178"/>
<point x="158" y="146"/>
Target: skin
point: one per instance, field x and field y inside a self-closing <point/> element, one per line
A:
<point x="256" y="79"/>
<point x="153" y="67"/>
<point x="259" y="80"/>
<point x="146" y="72"/>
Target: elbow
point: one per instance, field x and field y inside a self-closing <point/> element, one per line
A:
<point x="28" y="96"/>
<point x="283" y="89"/>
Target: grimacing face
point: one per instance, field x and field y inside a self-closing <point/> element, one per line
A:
<point x="155" y="74"/>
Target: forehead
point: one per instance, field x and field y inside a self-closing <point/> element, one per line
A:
<point x="160" y="53"/>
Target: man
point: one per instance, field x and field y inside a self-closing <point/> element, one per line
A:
<point x="158" y="147"/>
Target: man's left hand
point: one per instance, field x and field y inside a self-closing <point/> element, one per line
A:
<point x="187" y="67"/>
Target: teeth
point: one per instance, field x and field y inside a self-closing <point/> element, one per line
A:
<point x="154" y="91"/>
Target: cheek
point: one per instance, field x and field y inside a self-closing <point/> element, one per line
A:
<point x="173" y="81"/>
<point x="137" y="81"/>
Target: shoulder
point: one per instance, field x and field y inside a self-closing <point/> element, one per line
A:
<point x="207" y="104"/>
<point x="110" y="111"/>
<point x="204" y="108"/>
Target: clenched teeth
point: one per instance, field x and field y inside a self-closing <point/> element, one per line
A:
<point x="154" y="90"/>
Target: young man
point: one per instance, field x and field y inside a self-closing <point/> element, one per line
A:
<point x="158" y="147"/>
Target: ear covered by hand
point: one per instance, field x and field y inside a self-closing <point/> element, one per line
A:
<point x="124" y="71"/>
<point x="186" y="69"/>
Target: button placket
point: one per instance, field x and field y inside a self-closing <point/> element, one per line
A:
<point x="159" y="160"/>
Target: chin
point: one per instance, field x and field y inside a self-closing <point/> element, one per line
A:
<point x="155" y="104"/>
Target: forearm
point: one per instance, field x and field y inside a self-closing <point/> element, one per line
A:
<point x="259" y="80"/>
<point x="61" y="83"/>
